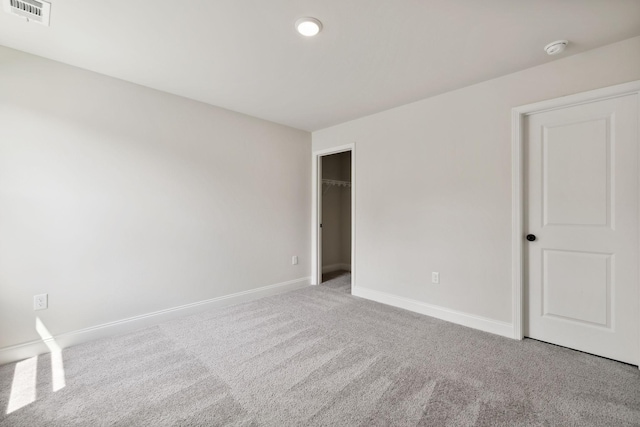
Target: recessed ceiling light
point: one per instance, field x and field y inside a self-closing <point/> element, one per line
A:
<point x="308" y="26"/>
<point x="556" y="47"/>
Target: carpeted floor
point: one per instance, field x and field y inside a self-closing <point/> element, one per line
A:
<point x="319" y="356"/>
<point x="338" y="280"/>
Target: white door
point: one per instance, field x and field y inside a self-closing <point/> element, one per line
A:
<point x="582" y="207"/>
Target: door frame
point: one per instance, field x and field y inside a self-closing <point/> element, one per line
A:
<point x="518" y="116"/>
<point x="316" y="211"/>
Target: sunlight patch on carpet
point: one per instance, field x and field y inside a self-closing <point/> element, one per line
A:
<point x="57" y="365"/>
<point x="23" y="388"/>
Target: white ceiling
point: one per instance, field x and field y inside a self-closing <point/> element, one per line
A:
<point x="372" y="55"/>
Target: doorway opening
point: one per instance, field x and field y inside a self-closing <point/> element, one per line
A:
<point x="333" y="219"/>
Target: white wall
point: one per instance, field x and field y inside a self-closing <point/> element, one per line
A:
<point x="434" y="183"/>
<point x="118" y="200"/>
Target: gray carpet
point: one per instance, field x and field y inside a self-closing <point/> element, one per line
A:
<point x="338" y="280"/>
<point x="318" y="357"/>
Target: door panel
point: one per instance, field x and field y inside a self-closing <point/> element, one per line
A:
<point x="582" y="204"/>
<point x="576" y="187"/>
<point x="589" y="303"/>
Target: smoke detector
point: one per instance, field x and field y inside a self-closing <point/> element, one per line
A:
<point x="556" y="47"/>
<point x="33" y="10"/>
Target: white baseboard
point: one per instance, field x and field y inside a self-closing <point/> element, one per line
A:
<point x="335" y="267"/>
<point x="470" y="320"/>
<point x="67" y="339"/>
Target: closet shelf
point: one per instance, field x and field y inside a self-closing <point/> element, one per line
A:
<point x="331" y="182"/>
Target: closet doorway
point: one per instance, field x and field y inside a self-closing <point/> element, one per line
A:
<point x="333" y="222"/>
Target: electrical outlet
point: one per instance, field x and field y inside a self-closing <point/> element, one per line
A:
<point x="40" y="302"/>
<point x="294" y="260"/>
<point x="435" y="277"/>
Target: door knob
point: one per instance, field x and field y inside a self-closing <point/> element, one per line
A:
<point x="531" y="237"/>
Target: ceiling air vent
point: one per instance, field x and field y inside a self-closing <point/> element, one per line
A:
<point x="33" y="10"/>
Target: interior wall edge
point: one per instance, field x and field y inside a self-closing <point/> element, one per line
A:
<point x="335" y="267"/>
<point x="34" y="348"/>
<point x="458" y="317"/>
